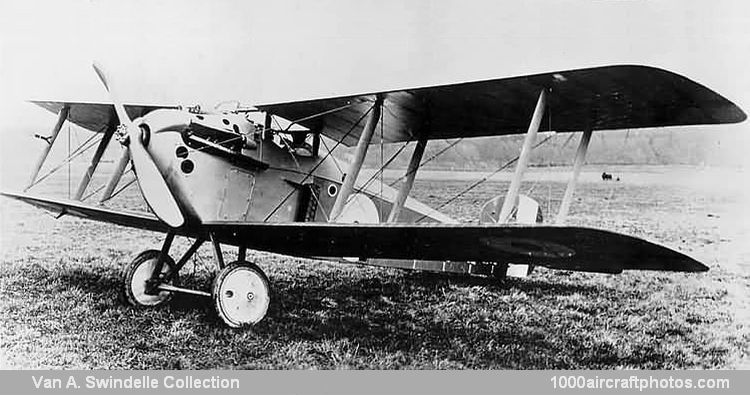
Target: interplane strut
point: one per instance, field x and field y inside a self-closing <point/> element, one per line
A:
<point x="94" y="162"/>
<point x="359" y="157"/>
<point x="43" y="156"/>
<point x="411" y="174"/>
<point x="523" y="159"/>
<point x="577" y="165"/>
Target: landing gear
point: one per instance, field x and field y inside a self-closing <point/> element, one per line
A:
<point x="136" y="275"/>
<point x="241" y="294"/>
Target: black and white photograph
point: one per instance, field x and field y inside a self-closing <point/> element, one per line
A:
<point x="374" y="185"/>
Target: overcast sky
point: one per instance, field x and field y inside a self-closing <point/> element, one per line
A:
<point x="192" y="51"/>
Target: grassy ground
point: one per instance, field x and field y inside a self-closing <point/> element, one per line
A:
<point x="58" y="305"/>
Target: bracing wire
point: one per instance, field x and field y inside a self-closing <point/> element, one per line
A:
<point x="292" y="123"/>
<point x="335" y="161"/>
<point x="309" y="173"/>
<point x="123" y="187"/>
<point x="290" y="150"/>
<point x="482" y="180"/>
<point x="320" y="114"/>
<point x="94" y="192"/>
<point x="77" y="152"/>
<point x="426" y="161"/>
<point x="382" y="169"/>
<point x="530" y="190"/>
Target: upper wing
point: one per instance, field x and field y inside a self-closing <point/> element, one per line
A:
<point x="602" y="98"/>
<point x="97" y="116"/>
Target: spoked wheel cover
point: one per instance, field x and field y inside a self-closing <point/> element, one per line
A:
<point x="241" y="294"/>
<point x="135" y="275"/>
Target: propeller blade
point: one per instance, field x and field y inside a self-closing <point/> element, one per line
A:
<point x="152" y="184"/>
<point x="119" y="108"/>
<point x="150" y="180"/>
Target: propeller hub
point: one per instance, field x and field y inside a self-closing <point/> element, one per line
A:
<point x="121" y="135"/>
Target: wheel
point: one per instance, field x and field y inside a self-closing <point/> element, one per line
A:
<point x="137" y="272"/>
<point x="241" y="294"/>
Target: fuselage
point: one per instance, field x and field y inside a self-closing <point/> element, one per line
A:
<point x="222" y="167"/>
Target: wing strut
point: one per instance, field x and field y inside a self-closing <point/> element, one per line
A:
<point x="55" y="131"/>
<point x="577" y="165"/>
<point x="411" y="174"/>
<point x="116" y="175"/>
<point x="359" y="158"/>
<point x="523" y="159"/>
<point x="95" y="161"/>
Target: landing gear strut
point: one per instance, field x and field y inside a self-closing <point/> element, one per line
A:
<point x="240" y="290"/>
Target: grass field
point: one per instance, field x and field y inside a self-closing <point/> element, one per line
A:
<point x="58" y="304"/>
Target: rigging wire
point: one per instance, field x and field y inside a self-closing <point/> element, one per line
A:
<point x="482" y="180"/>
<point x="124" y="187"/>
<point x="290" y="150"/>
<point x="88" y="144"/>
<point x="530" y="190"/>
<point x="94" y="192"/>
<point x="426" y="161"/>
<point x="309" y="117"/>
<point x="382" y="169"/>
<point x="77" y="152"/>
<point x="130" y="169"/>
<point x="292" y="123"/>
<point x="288" y="147"/>
<point x="335" y="161"/>
<point x="338" y="142"/>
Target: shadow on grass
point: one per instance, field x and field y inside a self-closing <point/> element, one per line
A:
<point x="422" y="319"/>
<point x="87" y="280"/>
<point x="413" y="316"/>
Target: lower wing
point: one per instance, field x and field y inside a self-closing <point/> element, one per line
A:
<point x="556" y="247"/>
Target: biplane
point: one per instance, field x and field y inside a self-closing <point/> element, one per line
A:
<point x="222" y="178"/>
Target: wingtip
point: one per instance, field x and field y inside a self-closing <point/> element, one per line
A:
<point x="688" y="264"/>
<point x="701" y="268"/>
<point x="743" y="116"/>
<point x="11" y="194"/>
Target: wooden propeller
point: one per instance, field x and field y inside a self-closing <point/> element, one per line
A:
<point x="150" y="180"/>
